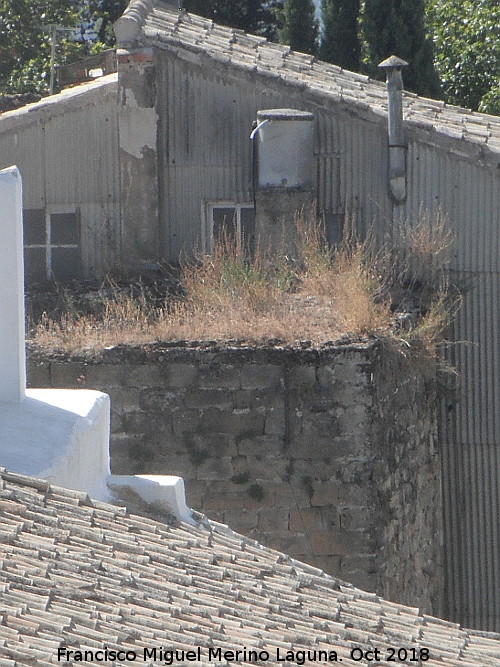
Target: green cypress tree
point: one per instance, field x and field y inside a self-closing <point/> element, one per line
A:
<point x="396" y="27"/>
<point x="299" y="26"/>
<point x="340" y="42"/>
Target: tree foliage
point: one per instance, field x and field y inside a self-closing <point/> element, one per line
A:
<point x="25" y="37"/>
<point x="467" y="47"/>
<point x="463" y="37"/>
<point x="397" y="27"/>
<point x="340" y="43"/>
<point x="299" y="26"/>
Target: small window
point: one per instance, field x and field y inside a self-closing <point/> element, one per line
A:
<point x="230" y="220"/>
<point x="51" y="245"/>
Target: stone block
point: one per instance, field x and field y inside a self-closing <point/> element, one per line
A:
<point x="143" y="423"/>
<point x="159" y="400"/>
<point x="275" y="420"/>
<point x="240" y="424"/>
<point x="196" y="492"/>
<point x="261" y="376"/>
<point x="330" y="517"/>
<point x="368" y="563"/>
<point x="355" y="420"/>
<point x="311" y="446"/>
<point x="356" y="518"/>
<point x="338" y="542"/>
<point x="215" y="468"/>
<point x="293" y="544"/>
<point x="265" y="496"/>
<point x="185" y="422"/>
<point x="302" y="376"/>
<point x="274" y="519"/>
<point x="143" y="375"/>
<point x="319" y="470"/>
<point x="201" y="399"/>
<point x="344" y="372"/>
<point x="321" y="425"/>
<point x="296" y="493"/>
<point x="325" y="493"/>
<point x="305" y="519"/>
<point x="116" y="424"/>
<point x="174" y="464"/>
<point x="241" y="520"/>
<point x="220" y="444"/>
<point x="358" y="472"/>
<point x="221" y="376"/>
<point x="179" y="374"/>
<point x="223" y="502"/>
<point x="254" y="399"/>
<point x="72" y="375"/>
<point x="260" y="445"/>
<point x="267" y="468"/>
<point x="124" y="399"/>
<point x="39" y="374"/>
<point x="121" y="446"/>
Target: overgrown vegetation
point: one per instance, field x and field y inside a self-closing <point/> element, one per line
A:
<point x="314" y="293"/>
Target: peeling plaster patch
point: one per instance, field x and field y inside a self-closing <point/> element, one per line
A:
<point x="138" y="130"/>
<point x="129" y="99"/>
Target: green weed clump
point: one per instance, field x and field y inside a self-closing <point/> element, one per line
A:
<point x="310" y="292"/>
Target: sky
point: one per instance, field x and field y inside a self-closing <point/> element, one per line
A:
<point x="317" y="3"/>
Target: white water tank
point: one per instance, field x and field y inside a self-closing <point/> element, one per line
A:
<point x="285" y="140"/>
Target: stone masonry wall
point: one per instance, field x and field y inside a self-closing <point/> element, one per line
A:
<point x="328" y="455"/>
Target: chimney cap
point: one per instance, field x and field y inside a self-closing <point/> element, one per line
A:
<point x="393" y="62"/>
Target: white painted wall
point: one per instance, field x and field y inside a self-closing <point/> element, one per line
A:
<point x="61" y="435"/>
<point x="12" y="350"/>
<point x="164" y="493"/>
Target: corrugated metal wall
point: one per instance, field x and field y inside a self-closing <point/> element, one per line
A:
<point x="206" y="153"/>
<point x="469" y="196"/>
<point x="69" y="158"/>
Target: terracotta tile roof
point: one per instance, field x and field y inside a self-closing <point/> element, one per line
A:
<point x="84" y="574"/>
<point x="187" y="33"/>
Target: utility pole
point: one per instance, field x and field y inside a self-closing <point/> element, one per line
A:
<point x="53" y="29"/>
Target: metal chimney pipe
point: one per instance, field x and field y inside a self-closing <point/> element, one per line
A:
<point x="397" y="158"/>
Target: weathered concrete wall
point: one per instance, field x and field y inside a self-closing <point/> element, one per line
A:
<point x="138" y="160"/>
<point x="276" y="211"/>
<point x="327" y="455"/>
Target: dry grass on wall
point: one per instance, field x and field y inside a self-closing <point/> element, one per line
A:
<point x="313" y="294"/>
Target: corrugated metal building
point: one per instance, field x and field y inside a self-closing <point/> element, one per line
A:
<point x="177" y="156"/>
<point x="67" y="151"/>
<point x="211" y="81"/>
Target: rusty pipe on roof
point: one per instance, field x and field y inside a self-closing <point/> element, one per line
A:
<point x="397" y="149"/>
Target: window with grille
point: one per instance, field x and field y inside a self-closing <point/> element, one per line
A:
<point x="51" y="245"/>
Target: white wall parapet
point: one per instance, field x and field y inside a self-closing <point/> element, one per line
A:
<point x="164" y="493"/>
<point x="61" y="435"/>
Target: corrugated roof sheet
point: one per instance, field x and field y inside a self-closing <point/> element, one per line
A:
<point x="182" y="32"/>
<point x="54" y="105"/>
<point x="83" y="574"/>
